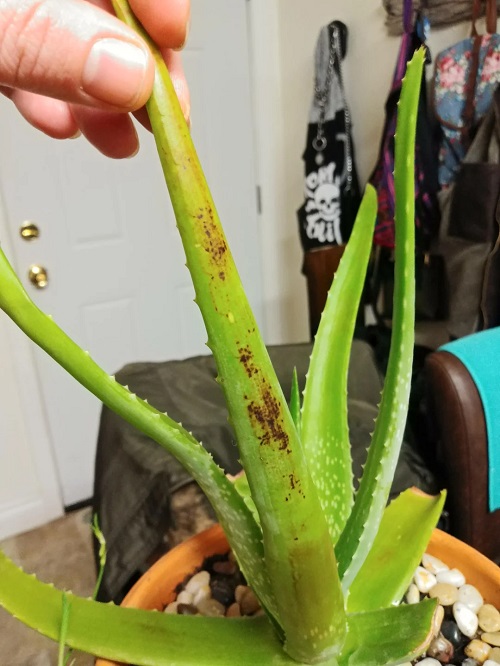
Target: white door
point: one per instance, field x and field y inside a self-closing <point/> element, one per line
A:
<point x="116" y="276"/>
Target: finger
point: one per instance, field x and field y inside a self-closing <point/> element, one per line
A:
<point x="166" y="22"/>
<point x="51" y="116"/>
<point x="113" y="134"/>
<point x="176" y="69"/>
<point x="73" y="51"/>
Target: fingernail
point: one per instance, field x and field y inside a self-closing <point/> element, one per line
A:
<point x="76" y="135"/>
<point x="115" y="72"/>
<point x="186" y="35"/>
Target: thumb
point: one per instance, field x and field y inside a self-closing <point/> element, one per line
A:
<point x="75" y="52"/>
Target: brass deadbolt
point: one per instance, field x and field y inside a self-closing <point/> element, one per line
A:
<point x="29" y="231"/>
<point x="38" y="276"/>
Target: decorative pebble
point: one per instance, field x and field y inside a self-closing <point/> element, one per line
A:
<point x="222" y="589"/>
<point x="470" y="597"/>
<point x="199" y="580"/>
<point x="227" y="568"/>
<point x="489" y="618"/>
<point x="441" y="649"/>
<point x="202" y="593"/>
<point x="233" y="610"/>
<point x="211" y="608"/>
<point x="466" y="620"/>
<point x="171" y="608"/>
<point x="490" y="662"/>
<point x="247" y="600"/>
<point x="413" y="594"/>
<point x="478" y="650"/>
<point x="187" y="609"/>
<point x="493" y="638"/>
<point x="185" y="597"/>
<point x="450" y="630"/>
<point x="495" y="655"/>
<point x="470" y="662"/>
<point x="429" y="661"/>
<point x="432" y="564"/>
<point x="424" y="580"/>
<point x="452" y="576"/>
<point x="445" y="593"/>
<point x="437" y="621"/>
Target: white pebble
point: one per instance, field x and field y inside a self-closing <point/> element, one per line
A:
<point x="470" y="597"/>
<point x="184" y="597"/>
<point x="429" y="661"/>
<point x="424" y="580"/>
<point x="200" y="579"/>
<point x="466" y="620"/>
<point x="432" y="564"/>
<point x="171" y="608"/>
<point x="412" y="595"/>
<point x="202" y="594"/>
<point x="490" y="662"/>
<point x="452" y="576"/>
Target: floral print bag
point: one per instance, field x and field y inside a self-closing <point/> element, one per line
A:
<point x="466" y="77"/>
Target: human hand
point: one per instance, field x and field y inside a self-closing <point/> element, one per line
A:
<point x="71" y="66"/>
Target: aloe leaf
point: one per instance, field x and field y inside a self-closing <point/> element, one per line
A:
<point x="63" y="631"/>
<point x="241" y="485"/>
<point x="362" y="525"/>
<point x="148" y="638"/>
<point x="295" y="401"/>
<point x="389" y="636"/>
<point x="102" y="554"/>
<point x="299" y="555"/>
<point x="144" y="638"/>
<point x="401" y="541"/>
<point x="241" y="529"/>
<point x="324" y="429"/>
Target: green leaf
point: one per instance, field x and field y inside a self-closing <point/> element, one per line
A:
<point x="390" y="636"/>
<point x="63" y="631"/>
<point x="241" y="529"/>
<point x="324" y="430"/>
<point x="361" y="528"/>
<point x="299" y="556"/>
<point x="144" y="638"/>
<point x="401" y="541"/>
<point x="295" y="401"/>
<point x="241" y="485"/>
<point x="102" y="553"/>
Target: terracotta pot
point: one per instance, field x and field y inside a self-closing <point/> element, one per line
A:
<point x="156" y="588"/>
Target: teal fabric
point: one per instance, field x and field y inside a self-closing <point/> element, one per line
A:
<point x="480" y="353"/>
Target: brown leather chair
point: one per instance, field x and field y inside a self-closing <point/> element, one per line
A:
<point x="456" y="412"/>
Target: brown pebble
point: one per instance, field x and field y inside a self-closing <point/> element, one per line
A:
<point x="187" y="609"/>
<point x="441" y="649"/>
<point x="233" y="610"/>
<point x="249" y="603"/>
<point x="240" y="591"/>
<point x="226" y="568"/>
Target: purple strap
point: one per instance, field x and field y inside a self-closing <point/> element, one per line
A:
<point x="408" y="15"/>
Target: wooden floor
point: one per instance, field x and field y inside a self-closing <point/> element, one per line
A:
<point x="60" y="553"/>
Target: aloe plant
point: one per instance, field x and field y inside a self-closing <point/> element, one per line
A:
<point x="314" y="551"/>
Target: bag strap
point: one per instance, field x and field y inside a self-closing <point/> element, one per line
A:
<point x="491" y="16"/>
<point x="408" y="16"/>
<point x="470" y="99"/>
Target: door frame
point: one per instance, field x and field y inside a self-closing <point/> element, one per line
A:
<point x="268" y="110"/>
<point x="48" y="505"/>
